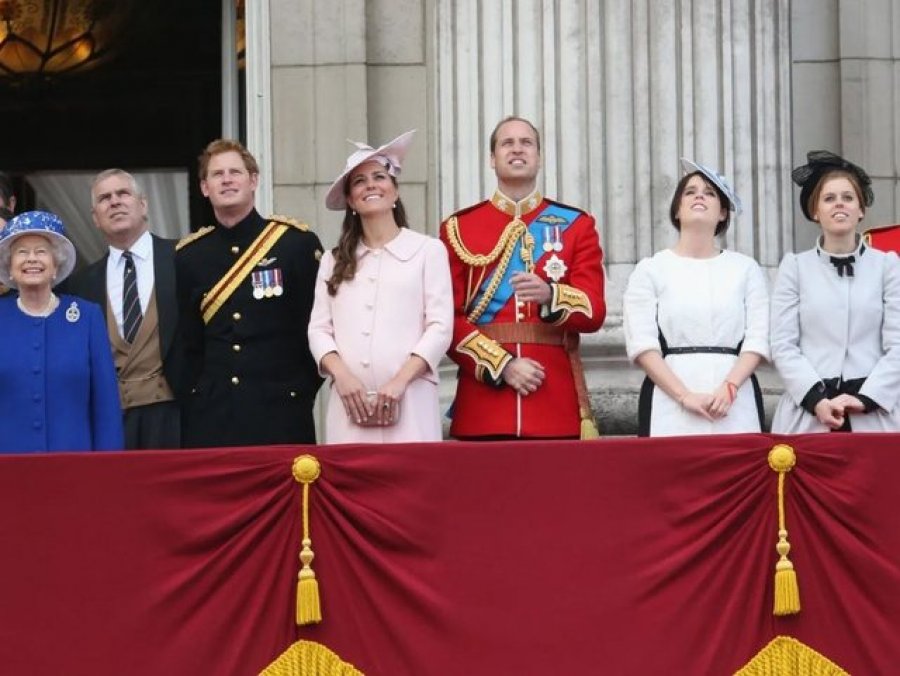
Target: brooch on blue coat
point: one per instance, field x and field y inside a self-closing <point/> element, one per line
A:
<point x="73" y="314"/>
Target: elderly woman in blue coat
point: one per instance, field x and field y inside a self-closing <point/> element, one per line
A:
<point x="58" y="387"/>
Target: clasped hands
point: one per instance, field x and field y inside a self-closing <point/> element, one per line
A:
<point x="832" y="412"/>
<point x="524" y="375"/>
<point x="369" y="408"/>
<point x="711" y="406"/>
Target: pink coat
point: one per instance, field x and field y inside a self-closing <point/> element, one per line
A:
<point x="399" y="303"/>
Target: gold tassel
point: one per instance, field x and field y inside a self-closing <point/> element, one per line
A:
<point x="787" y="592"/>
<point x="306" y="470"/>
<point x="588" y="426"/>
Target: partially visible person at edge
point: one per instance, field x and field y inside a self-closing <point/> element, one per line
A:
<point x="696" y="320"/>
<point x="383" y="315"/>
<point x="7" y="209"/>
<point x="527" y="280"/>
<point x="134" y="284"/>
<point x="7" y="199"/>
<point x="57" y="379"/>
<point x="245" y="289"/>
<point x="836" y="312"/>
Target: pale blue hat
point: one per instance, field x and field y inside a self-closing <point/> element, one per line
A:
<point x="734" y="202"/>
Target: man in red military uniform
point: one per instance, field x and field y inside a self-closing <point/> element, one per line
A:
<point x="527" y="280"/>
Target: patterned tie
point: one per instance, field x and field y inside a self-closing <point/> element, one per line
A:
<point x="131" y="303"/>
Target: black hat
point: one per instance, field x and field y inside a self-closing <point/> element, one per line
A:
<point x="820" y="162"/>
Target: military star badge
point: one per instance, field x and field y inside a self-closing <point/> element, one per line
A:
<point x="555" y="268"/>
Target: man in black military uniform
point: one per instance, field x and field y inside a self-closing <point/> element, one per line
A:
<point x="245" y="290"/>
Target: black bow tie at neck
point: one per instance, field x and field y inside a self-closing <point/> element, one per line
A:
<point x="843" y="264"/>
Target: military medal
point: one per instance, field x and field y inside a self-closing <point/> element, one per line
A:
<point x="257" y="279"/>
<point x="267" y="277"/>
<point x="555" y="268"/>
<point x="278" y="289"/>
<point x="552" y="239"/>
<point x="73" y="314"/>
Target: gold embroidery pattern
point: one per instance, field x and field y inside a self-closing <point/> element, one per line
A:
<point x="569" y="300"/>
<point x="193" y="237"/>
<point x="300" y="225"/>
<point x="487" y="353"/>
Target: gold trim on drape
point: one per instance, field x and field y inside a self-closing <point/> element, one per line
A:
<point x="786" y="656"/>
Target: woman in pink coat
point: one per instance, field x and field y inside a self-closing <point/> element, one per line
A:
<point x="383" y="313"/>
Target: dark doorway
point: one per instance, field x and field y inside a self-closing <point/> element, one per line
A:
<point x="154" y="104"/>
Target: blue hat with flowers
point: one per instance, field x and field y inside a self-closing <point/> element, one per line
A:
<point x="41" y="223"/>
<point x="734" y="202"/>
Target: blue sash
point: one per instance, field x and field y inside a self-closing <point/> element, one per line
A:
<point x="554" y="215"/>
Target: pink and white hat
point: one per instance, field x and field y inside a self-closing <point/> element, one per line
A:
<point x="390" y="155"/>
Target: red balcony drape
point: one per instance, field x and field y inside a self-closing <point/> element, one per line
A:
<point x="621" y="557"/>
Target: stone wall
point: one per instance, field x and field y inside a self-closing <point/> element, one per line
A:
<point x="620" y="90"/>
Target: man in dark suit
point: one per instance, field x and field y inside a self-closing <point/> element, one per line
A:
<point x="246" y="288"/>
<point x="134" y="283"/>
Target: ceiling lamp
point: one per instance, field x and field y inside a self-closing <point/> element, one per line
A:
<point x="44" y="37"/>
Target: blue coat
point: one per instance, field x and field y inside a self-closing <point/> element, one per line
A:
<point x="58" y="388"/>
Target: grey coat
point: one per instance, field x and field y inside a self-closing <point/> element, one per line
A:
<point x="827" y="326"/>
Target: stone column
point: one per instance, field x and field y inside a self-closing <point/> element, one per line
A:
<point x="621" y="91"/>
<point x="338" y="70"/>
<point x="847" y="92"/>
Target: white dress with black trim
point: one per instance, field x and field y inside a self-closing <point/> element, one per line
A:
<point x="700" y="314"/>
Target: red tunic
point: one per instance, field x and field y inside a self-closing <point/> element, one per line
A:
<point x="884" y="238"/>
<point x="484" y="404"/>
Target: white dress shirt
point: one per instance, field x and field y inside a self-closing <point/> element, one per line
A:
<point x="142" y="254"/>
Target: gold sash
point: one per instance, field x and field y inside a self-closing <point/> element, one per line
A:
<point x="238" y="272"/>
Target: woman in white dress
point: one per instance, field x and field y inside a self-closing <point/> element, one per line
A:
<point x="383" y="312"/>
<point x="696" y="320"/>
<point x="836" y="312"/>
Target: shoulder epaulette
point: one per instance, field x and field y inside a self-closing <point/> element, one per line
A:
<point x="287" y="220"/>
<point x="466" y="210"/>
<point x="567" y="206"/>
<point x="882" y="228"/>
<point x="194" y="236"/>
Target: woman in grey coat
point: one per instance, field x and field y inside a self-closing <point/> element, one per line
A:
<point x="835" y="323"/>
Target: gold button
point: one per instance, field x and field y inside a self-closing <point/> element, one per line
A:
<point x="235" y="380"/>
<point x="235" y="250"/>
<point x="236" y="347"/>
<point x="236" y="316"/>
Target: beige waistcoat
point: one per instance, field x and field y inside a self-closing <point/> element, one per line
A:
<point x="139" y="365"/>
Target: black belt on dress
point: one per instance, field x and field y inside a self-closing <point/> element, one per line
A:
<point x="700" y="349"/>
<point x="836" y="386"/>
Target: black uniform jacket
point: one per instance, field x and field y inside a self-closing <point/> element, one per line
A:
<point x="253" y="379"/>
